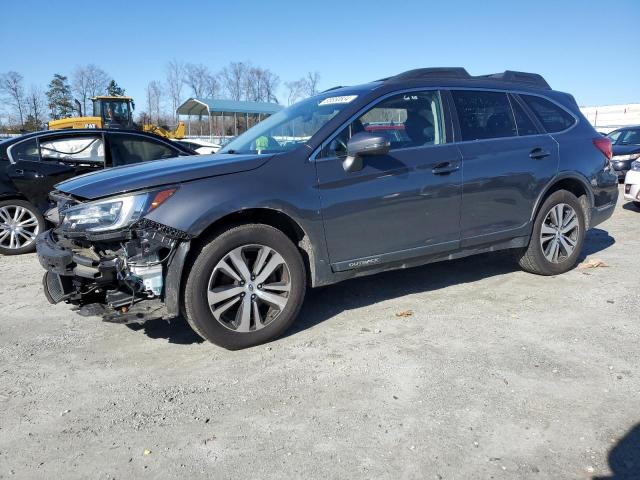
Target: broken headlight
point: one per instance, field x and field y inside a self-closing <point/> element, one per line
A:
<point x="112" y="213"/>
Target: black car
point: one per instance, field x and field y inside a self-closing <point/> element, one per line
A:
<point x="626" y="148"/>
<point x="30" y="165"/>
<point x="427" y="165"/>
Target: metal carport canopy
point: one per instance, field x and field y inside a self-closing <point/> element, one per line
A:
<point x="215" y="107"/>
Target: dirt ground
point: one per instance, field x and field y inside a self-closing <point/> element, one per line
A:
<point x="458" y="370"/>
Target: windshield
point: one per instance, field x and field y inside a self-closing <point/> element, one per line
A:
<point x="117" y="111"/>
<point x="290" y="127"/>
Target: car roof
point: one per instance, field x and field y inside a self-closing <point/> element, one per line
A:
<point x="72" y="131"/>
<point x="452" y="77"/>
<point x="626" y="127"/>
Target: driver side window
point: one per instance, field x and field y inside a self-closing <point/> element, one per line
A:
<point x="412" y="119"/>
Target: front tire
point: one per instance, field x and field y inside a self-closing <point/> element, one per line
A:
<point x="245" y="287"/>
<point x="20" y="223"/>
<point x="557" y="237"/>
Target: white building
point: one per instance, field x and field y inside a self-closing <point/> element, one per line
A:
<point x="609" y="117"/>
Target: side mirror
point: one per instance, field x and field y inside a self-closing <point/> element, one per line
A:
<point x="362" y="145"/>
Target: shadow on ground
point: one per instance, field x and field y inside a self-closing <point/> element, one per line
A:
<point x="595" y="241"/>
<point x="324" y="303"/>
<point x="624" y="457"/>
<point x="176" y="330"/>
<point x="631" y="206"/>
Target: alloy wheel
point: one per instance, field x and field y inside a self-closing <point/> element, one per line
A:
<point x="18" y="227"/>
<point x="559" y="233"/>
<point x="249" y="288"/>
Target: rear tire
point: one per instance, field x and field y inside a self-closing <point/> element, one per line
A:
<point x="557" y="237"/>
<point x="20" y="223"/>
<point x="245" y="287"/>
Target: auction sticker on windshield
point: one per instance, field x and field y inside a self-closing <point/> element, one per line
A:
<point x="336" y="100"/>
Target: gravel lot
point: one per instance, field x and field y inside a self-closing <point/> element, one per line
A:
<point x="490" y="372"/>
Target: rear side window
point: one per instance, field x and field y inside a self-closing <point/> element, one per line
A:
<point x="128" y="149"/>
<point x="552" y="117"/>
<point x="484" y="114"/>
<point x="629" y="137"/>
<point x="25" y="151"/>
<point x="523" y="122"/>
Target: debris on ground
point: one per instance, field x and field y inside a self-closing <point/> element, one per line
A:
<point x="404" y="313"/>
<point x="592" y="263"/>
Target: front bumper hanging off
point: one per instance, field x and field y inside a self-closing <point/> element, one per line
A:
<point x="104" y="285"/>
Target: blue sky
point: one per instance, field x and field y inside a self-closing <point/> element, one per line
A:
<point x="591" y="49"/>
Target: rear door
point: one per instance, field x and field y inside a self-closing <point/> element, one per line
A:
<point x="38" y="163"/>
<point x="507" y="162"/>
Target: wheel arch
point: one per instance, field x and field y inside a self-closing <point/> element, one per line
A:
<point x="266" y="216"/>
<point x="577" y="185"/>
<point x="13" y="196"/>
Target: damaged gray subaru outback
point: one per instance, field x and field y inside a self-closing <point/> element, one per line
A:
<point x="428" y="165"/>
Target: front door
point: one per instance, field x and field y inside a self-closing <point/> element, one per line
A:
<point x="37" y="164"/>
<point x="400" y="205"/>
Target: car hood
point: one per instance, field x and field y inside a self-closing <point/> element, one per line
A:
<point x="625" y="149"/>
<point x="160" y="172"/>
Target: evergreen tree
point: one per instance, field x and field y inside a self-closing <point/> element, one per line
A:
<point x="31" y="124"/>
<point x="59" y="96"/>
<point x="115" y="90"/>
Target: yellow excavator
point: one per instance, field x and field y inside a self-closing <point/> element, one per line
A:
<point x="114" y="112"/>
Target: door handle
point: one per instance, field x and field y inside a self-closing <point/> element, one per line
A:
<point x="19" y="171"/>
<point x="538" y="153"/>
<point x="445" y="168"/>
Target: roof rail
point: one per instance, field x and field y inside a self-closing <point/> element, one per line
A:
<point x="332" y="88"/>
<point x="437" y="72"/>
<point x="511" y="76"/>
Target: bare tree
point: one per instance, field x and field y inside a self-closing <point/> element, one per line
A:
<point x="98" y="81"/>
<point x="197" y="77"/>
<point x="79" y="87"/>
<point x="311" y="80"/>
<point x="154" y="95"/>
<point x="260" y="85"/>
<point x="36" y="104"/>
<point x="295" y="90"/>
<point x="212" y="86"/>
<point x="175" y="81"/>
<point x="233" y="79"/>
<point x="13" y="89"/>
<point x="88" y="81"/>
<point x="307" y="86"/>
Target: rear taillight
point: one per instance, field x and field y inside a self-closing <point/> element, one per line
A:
<point x="604" y="145"/>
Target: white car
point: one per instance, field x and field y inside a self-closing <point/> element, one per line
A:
<point x="632" y="184"/>
<point x="199" y="146"/>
